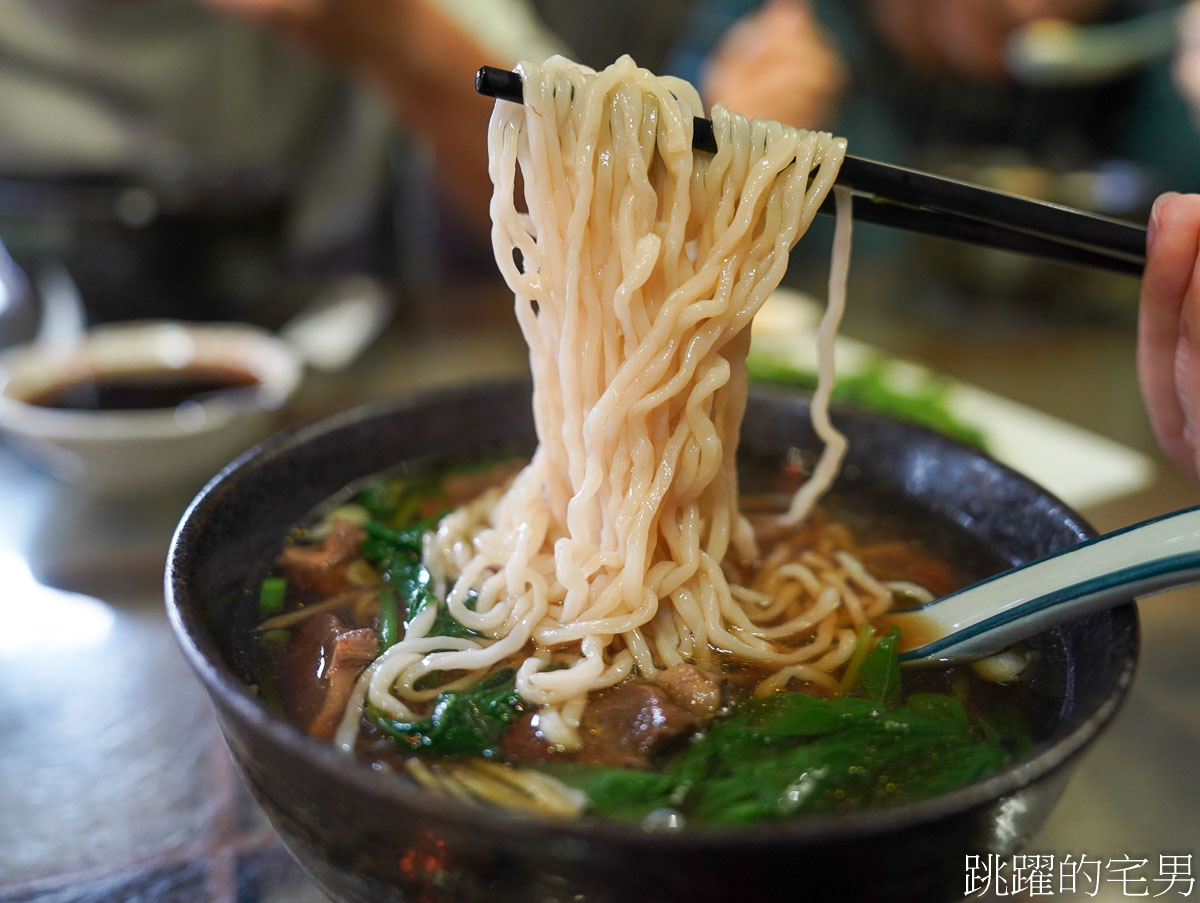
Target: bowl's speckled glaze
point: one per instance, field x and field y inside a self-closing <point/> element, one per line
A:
<point x="368" y="836"/>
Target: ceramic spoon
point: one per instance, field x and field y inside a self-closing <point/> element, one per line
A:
<point x="991" y="615"/>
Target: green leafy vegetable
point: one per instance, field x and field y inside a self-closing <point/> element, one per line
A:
<point x="802" y="715"/>
<point x="621" y="793"/>
<point x="396" y="553"/>
<point x="925" y="404"/>
<point x="389" y="618"/>
<point x="879" y="674"/>
<point x="793" y="752"/>
<point x="770" y="758"/>
<point x="466" y="723"/>
<point x="397" y="502"/>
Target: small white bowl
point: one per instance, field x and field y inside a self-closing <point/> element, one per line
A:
<point x="125" y="452"/>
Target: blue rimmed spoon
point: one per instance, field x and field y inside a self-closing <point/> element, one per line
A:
<point x="989" y="616"/>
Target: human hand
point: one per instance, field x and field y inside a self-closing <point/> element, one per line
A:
<point x="355" y="32"/>
<point x="422" y="61"/>
<point x="777" y="63"/>
<point x="1168" y="353"/>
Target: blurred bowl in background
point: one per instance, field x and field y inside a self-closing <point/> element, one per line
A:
<point x="69" y="409"/>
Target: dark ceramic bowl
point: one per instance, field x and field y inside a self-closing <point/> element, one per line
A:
<point x="370" y="836"/>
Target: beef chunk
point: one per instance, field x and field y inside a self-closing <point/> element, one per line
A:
<point x="353" y="650"/>
<point x="627" y="724"/>
<point x="324" y="658"/>
<point x="523" y="743"/>
<point x="321" y="567"/>
<point x="302" y="675"/>
<point x="694" y="689"/>
<point x="624" y="726"/>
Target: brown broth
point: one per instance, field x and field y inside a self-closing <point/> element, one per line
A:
<point x="903" y="540"/>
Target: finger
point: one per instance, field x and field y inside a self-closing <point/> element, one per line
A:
<point x="1182" y="449"/>
<point x="794" y="99"/>
<point x="1187" y="369"/>
<point x="1174" y="242"/>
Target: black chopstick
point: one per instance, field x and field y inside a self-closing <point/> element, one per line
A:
<point x="935" y="205"/>
<point x="979" y="232"/>
<point x="1103" y="235"/>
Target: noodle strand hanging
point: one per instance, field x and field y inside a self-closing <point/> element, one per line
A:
<point x="636" y="265"/>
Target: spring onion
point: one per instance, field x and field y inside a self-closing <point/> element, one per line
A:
<point x="270" y="595"/>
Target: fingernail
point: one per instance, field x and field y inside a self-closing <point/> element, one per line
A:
<point x="1152" y="226"/>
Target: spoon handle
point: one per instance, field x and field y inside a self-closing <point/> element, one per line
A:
<point x="993" y="614"/>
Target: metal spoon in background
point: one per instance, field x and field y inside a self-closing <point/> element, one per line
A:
<point x="1054" y="52"/>
<point x="989" y="616"/>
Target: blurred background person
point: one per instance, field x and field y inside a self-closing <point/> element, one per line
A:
<point x="779" y="63"/>
<point x="229" y="157"/>
<point x="182" y="161"/>
<point x="926" y="73"/>
<point x="951" y="86"/>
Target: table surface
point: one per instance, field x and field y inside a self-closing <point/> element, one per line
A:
<point x="115" y="785"/>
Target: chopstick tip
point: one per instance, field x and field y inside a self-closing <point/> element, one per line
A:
<point x="499" y="83"/>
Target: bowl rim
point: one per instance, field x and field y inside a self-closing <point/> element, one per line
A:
<point x="272" y="361"/>
<point x="228" y="690"/>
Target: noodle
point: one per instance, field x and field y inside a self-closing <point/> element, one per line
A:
<point x="637" y="266"/>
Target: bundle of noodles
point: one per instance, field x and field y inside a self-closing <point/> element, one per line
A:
<point x="637" y="269"/>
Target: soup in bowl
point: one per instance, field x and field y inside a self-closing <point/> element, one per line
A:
<point x="367" y="829"/>
<point x="144" y="406"/>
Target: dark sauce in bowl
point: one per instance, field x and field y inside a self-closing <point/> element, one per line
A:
<point x="140" y="390"/>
